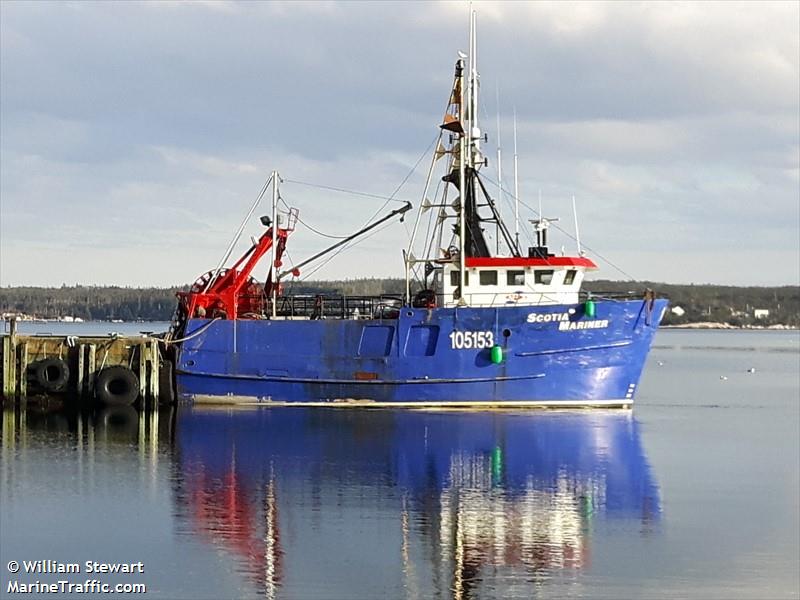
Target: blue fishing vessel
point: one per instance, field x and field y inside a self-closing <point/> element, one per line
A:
<point x="476" y="326"/>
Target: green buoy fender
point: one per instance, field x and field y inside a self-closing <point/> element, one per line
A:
<point x="589" y="308"/>
<point x="496" y="354"/>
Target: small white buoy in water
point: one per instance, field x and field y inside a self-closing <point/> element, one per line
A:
<point x="751" y="370"/>
<point x="661" y="363"/>
<point x="723" y="377"/>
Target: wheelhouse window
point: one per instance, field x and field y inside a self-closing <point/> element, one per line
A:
<point x="454" y="278"/>
<point x="569" y="278"/>
<point x="544" y="277"/>
<point x="488" y="277"/>
<point x="514" y="277"/>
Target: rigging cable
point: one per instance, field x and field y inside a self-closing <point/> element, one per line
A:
<point x="565" y="232"/>
<point x="342" y="190"/>
<point x="405" y="179"/>
<point x="318" y="232"/>
<point x="343" y="248"/>
<point x="387" y="199"/>
<point x="309" y="227"/>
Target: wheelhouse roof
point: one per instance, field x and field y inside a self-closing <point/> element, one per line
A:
<point x="512" y="261"/>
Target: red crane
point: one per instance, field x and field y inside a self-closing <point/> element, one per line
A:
<point x="233" y="293"/>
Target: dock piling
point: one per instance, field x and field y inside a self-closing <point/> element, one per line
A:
<point x="91" y="360"/>
<point x="79" y="382"/>
<point x="23" y="370"/>
<point x="22" y="354"/>
<point x="10" y="361"/>
<point x="141" y="348"/>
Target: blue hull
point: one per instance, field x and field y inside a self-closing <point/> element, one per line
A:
<point x="552" y="356"/>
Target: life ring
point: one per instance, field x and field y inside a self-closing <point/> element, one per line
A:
<point x="117" y="385"/>
<point x="51" y="374"/>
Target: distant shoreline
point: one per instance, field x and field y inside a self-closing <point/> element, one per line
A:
<point x="699" y="325"/>
<point x="716" y="325"/>
<point x="691" y="305"/>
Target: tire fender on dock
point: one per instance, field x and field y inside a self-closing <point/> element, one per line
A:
<point x="117" y="386"/>
<point x="51" y="374"/>
<point x="166" y="384"/>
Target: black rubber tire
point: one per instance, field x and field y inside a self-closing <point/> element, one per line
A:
<point x="117" y="386"/>
<point x="166" y="384"/>
<point x="52" y="374"/>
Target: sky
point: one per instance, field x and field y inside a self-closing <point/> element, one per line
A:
<point x="134" y="137"/>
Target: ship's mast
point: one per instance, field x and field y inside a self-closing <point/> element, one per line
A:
<point x="460" y="141"/>
<point x="516" y="184"/>
<point x="469" y="143"/>
<point x="577" y="231"/>
<point x="499" y="171"/>
<point x="273" y="267"/>
<point x="462" y="177"/>
<point x="474" y="131"/>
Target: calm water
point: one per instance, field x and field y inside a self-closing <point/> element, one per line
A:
<point x="694" y="494"/>
<point x="87" y="328"/>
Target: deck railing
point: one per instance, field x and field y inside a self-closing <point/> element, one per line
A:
<point x="388" y="306"/>
<point x="324" y="306"/>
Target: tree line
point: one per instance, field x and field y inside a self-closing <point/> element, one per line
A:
<point x="735" y="305"/>
<point x="725" y="304"/>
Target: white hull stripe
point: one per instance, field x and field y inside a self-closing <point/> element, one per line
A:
<point x="477" y="404"/>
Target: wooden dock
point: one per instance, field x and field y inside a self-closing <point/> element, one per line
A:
<point x="72" y="367"/>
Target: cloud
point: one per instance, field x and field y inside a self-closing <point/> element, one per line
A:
<point x="146" y="130"/>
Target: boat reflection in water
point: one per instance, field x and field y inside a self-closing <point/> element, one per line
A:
<point x="436" y="504"/>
